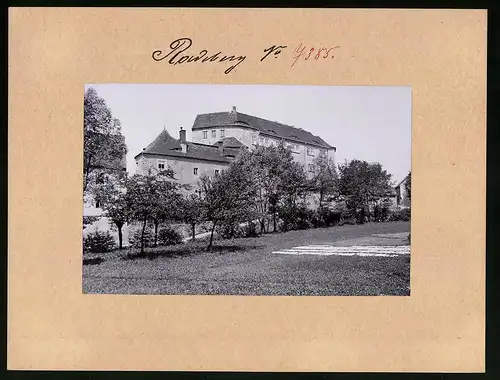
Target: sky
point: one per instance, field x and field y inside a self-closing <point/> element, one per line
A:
<point x="369" y="123"/>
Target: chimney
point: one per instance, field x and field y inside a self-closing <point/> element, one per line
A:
<point x="182" y="140"/>
<point x="234" y="109"/>
<point x="220" y="147"/>
<point x="182" y="135"/>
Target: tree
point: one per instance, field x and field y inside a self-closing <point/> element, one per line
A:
<point x="362" y="185"/>
<point x="271" y="170"/>
<point x="408" y="185"/>
<point x="112" y="195"/>
<point x="292" y="192"/>
<point x="228" y="196"/>
<point x="104" y="145"/>
<point x="149" y="198"/>
<point x="324" y="182"/>
<point x="192" y="212"/>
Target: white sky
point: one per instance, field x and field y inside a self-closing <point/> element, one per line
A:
<point x="364" y="122"/>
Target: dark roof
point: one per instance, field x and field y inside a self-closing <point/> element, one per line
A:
<point x="166" y="145"/>
<point x="230" y="142"/>
<point x="164" y="141"/>
<point x="271" y="128"/>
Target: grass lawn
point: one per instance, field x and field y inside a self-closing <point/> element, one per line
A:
<point x="247" y="266"/>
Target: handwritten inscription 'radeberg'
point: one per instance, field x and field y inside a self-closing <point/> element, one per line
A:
<point x="180" y="45"/>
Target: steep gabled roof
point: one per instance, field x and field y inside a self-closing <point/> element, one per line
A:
<point x="271" y="128"/>
<point x="163" y="143"/>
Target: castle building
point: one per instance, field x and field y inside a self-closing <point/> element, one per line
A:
<point x="217" y="138"/>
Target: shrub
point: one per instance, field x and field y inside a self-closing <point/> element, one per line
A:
<point x="169" y="236"/>
<point x="230" y="230"/>
<point x="328" y="218"/>
<point x="305" y="218"/>
<point x="403" y="215"/>
<point x="135" y="239"/>
<point x="98" y="242"/>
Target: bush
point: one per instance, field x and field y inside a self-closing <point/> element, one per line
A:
<point x="230" y="230"/>
<point x="305" y="217"/>
<point x="169" y="236"/>
<point x="403" y="215"/>
<point x="98" y="242"/>
<point x="328" y="218"/>
<point x="135" y="239"/>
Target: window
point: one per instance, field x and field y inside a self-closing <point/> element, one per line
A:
<point x="310" y="151"/>
<point x="262" y="140"/>
<point x="205" y="134"/>
<point x="100" y="178"/>
<point x="322" y="153"/>
<point x="254" y="140"/>
<point x="221" y="133"/>
<point x="214" y="133"/>
<point x="161" y="164"/>
<point x="311" y="167"/>
<point x="98" y="203"/>
<point x="195" y="171"/>
<point x="266" y="141"/>
<point x="216" y="171"/>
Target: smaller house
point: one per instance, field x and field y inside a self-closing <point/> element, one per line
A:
<point x="402" y="196"/>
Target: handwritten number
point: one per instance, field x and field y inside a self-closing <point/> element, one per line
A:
<point x="300" y="51"/>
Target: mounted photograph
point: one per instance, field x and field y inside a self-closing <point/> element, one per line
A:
<point x="246" y="190"/>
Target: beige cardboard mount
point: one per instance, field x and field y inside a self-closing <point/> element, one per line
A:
<point x="441" y="54"/>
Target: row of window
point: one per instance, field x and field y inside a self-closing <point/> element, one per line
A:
<point x="265" y="141"/>
<point x="161" y="166"/>
<point x="214" y="133"/>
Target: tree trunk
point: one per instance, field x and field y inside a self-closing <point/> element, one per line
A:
<point x="120" y="236"/>
<point x="262" y="226"/>
<point x="156" y="232"/>
<point x="142" y="236"/>
<point x="87" y="172"/>
<point x="274" y="219"/>
<point x="193" y="230"/>
<point x="211" y="237"/>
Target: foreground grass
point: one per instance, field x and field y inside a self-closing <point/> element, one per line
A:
<point x="247" y="266"/>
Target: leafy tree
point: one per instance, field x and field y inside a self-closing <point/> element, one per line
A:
<point x="324" y="182"/>
<point x="273" y="171"/>
<point x="408" y="185"/>
<point x="112" y="195"/>
<point x="292" y="192"/>
<point x="362" y="185"/>
<point x="228" y="196"/>
<point x="104" y="145"/>
<point x="150" y="197"/>
<point x="192" y="212"/>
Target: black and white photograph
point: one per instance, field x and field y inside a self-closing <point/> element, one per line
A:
<point x="251" y="190"/>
